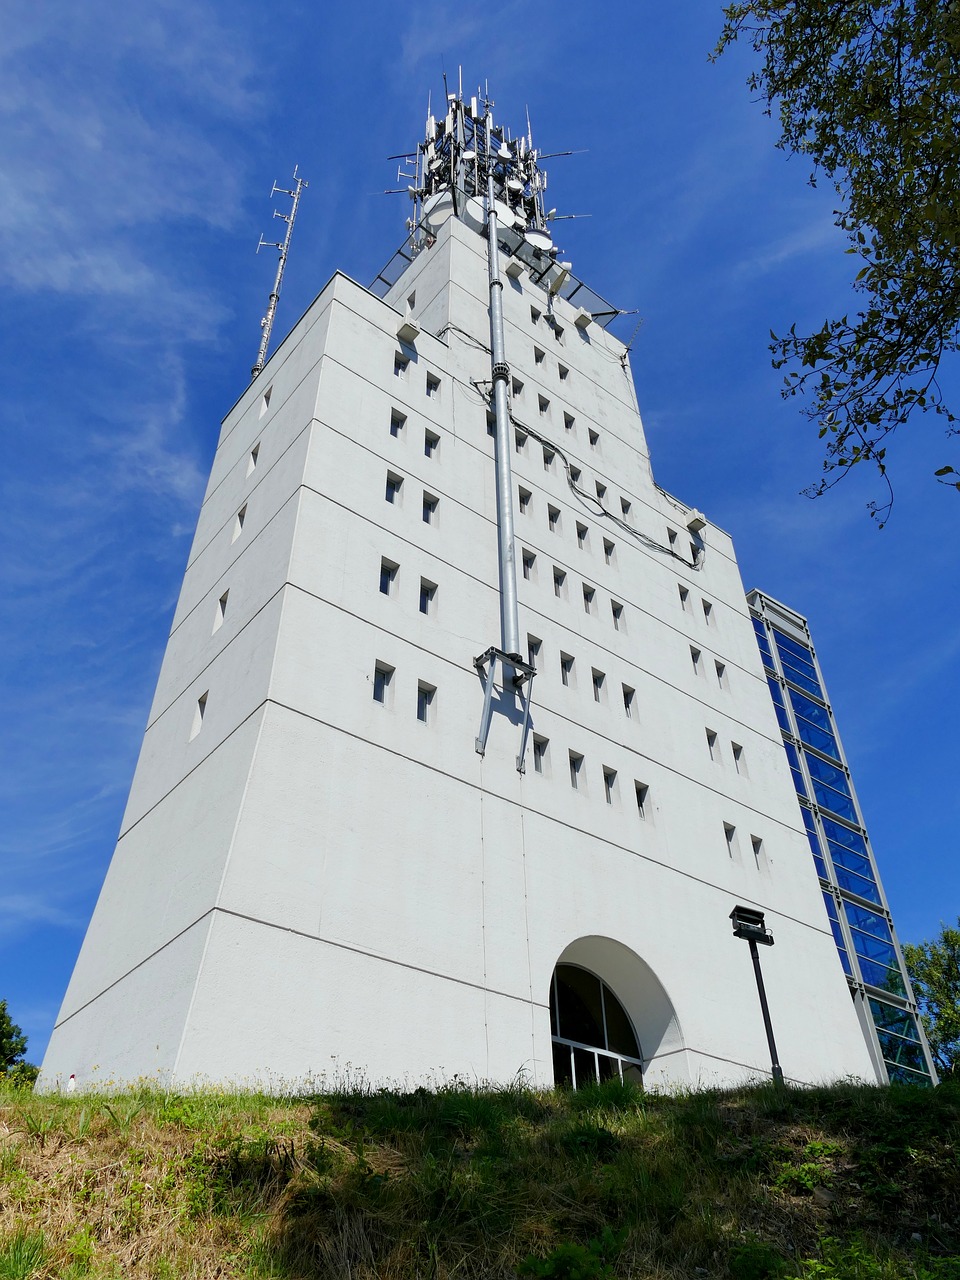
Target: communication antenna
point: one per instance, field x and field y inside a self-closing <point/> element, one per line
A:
<point x="266" y="324"/>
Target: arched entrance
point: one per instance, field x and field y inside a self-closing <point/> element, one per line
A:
<point x="610" y="1017"/>
<point x="593" y="1038"/>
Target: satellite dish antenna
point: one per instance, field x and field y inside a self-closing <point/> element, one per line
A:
<point x="514" y="185"/>
<point x="539" y="240"/>
<point x="505" y="215"/>
<point x="474" y="214"/>
<point x="437" y="210"/>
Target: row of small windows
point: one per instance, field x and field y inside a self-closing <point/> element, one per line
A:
<point x="431" y="441"/>
<point x="737" y="755"/>
<point x="525" y="500"/>
<point x="393" y="493"/>
<point x="598" y="679"/>
<point x="699" y="667"/>
<point x="528" y="562"/>
<point x="539" y="356"/>
<point x="536" y="316"/>
<point x="732" y="841"/>
<point x="401" y="368"/>
<point x="578" y="776"/>
<point x="252" y="459"/>
<point x="389" y="570"/>
<point x="383" y="688"/>
<point x="686" y="605"/>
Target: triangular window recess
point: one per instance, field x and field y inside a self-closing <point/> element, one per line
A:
<point x="198" y="715"/>
<point x="265" y="402"/>
<point x="253" y="459"/>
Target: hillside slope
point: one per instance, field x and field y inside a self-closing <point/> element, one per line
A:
<point x="846" y="1183"/>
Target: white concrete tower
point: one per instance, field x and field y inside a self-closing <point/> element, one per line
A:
<point x="318" y="871"/>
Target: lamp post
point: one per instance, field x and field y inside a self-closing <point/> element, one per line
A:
<point x="749" y="924"/>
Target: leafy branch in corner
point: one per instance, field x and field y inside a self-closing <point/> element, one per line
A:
<point x="868" y="91"/>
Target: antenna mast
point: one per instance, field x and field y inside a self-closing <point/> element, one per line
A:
<point x="266" y="324"/>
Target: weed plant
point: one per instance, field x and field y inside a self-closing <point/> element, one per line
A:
<point x="608" y="1183"/>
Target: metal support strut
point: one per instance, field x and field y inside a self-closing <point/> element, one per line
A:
<point x="523" y="675"/>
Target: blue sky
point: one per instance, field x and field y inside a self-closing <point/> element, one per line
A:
<point x="137" y="150"/>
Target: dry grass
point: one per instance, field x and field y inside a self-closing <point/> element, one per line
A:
<point x="466" y="1183"/>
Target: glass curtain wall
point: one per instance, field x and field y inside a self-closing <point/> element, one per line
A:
<point x="852" y="892"/>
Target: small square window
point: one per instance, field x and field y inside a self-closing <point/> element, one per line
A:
<point x="382" y="683"/>
<point x="412" y="300"/>
<point x="533" y="650"/>
<point x="433" y="386"/>
<point x="428" y="596"/>
<point x="535" y="315"/>
<point x="730" y="835"/>
<point x="199" y="712"/>
<point x="265" y="402"/>
<point x="426" y="702"/>
<point x="540" y="748"/>
<point x="598" y="679"/>
<point x="739" y="760"/>
<point x="524" y="496"/>
<point x="594" y="438"/>
<point x="566" y="669"/>
<point x="610" y="785"/>
<point x="559" y="581"/>
<point x="721" y="675"/>
<point x="388" y="576"/>
<point x="672" y="537"/>
<point x="589" y="597"/>
<point x="529" y="560"/>
<point x="616" y="611"/>
<point x="563" y="371"/>
<point x="538" y="356"/>
<point x="557" y="332"/>
<point x="608" y="550"/>
<point x="625" y="506"/>
<point x="543" y="404"/>
<point x="629" y="700"/>
<point x="520" y="441"/>
<point x="431" y="444"/>
<point x="553" y="518"/>
<point x="642" y="792"/>
<point x="707" y="612"/>
<point x="758" y="855"/>
<point x="601" y="491"/>
<point x="684" y="597"/>
<point x="238" y="522"/>
<point x="568" y="421"/>
<point x="491" y="423"/>
<point x="695" y="658"/>
<point x="400" y="365"/>
<point x="221" y="611"/>
<point x="712" y="746"/>
<point x="430" y="505"/>
<point x="581" y="535"/>
<point x="516" y="387"/>
<point x="253" y="459"/>
<point x="576" y="770"/>
<point x="393" y="487"/>
<point x="574" y="475"/>
<point x="548" y="458"/>
<point x="397" y="423"/>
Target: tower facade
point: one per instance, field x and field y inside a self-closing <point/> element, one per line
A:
<point x="462" y="749"/>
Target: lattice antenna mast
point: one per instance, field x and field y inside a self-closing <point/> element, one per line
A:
<point x="266" y="324"/>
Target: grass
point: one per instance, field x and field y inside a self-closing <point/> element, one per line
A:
<point x="845" y="1183"/>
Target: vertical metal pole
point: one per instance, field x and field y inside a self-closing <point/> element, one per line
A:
<point x="509" y="621"/>
<point x="777" y="1070"/>
<point x="268" y="319"/>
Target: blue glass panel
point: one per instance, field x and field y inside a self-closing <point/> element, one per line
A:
<point x="821" y="866"/>
<point x="854" y="862"/>
<point x="902" y="1075"/>
<point x="828" y="773"/>
<point x="887" y="1017"/>
<point x="843" y="835"/>
<point x="811" y="710"/>
<point x="818" y="738"/>
<point x="830" y="903"/>
<point x="879" y="975"/>
<point x="763" y="644"/>
<point x="868" y="921"/>
<point x="813" y="723"/>
<point x="857" y="884"/>
<point x="805" y="681"/>
<point x="870" y="948"/>
<point x="787" y="644"/>
<point x="834" y="801"/>
<point x="845" y="961"/>
<point x="904" y="1053"/>
<point x="776" y="693"/>
<point x="794" y="760"/>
